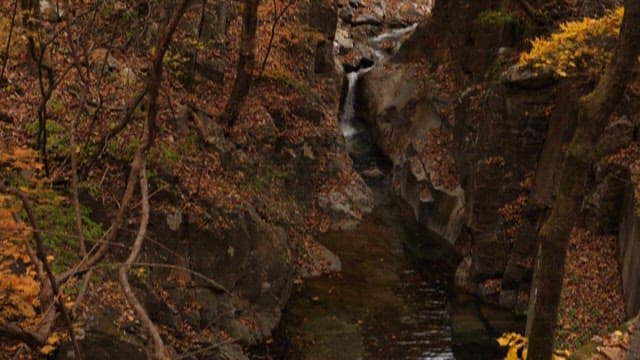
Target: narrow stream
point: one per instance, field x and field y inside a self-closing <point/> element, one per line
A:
<point x="387" y="303"/>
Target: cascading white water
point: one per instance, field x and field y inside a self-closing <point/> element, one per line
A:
<point x="394" y="34"/>
<point x="348" y="109"/>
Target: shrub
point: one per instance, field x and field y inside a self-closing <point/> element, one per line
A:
<point x="584" y="46"/>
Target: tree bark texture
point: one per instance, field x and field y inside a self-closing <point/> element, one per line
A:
<point x="246" y="63"/>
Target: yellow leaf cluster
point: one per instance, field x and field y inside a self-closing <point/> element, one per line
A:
<point x="19" y="288"/>
<point x="52" y="342"/>
<point x="20" y="158"/>
<point x="578" y="46"/>
<point x="517" y="345"/>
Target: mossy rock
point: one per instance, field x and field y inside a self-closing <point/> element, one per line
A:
<point x="494" y="17"/>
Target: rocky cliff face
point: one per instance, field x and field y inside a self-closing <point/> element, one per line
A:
<point x="409" y="130"/>
<point x="478" y="161"/>
<point x="499" y="134"/>
<point x="468" y="183"/>
<point x="453" y="176"/>
<point x="509" y="142"/>
<point x="459" y="32"/>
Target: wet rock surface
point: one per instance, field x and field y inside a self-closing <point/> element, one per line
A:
<point x="374" y="30"/>
<point x="347" y="204"/>
<point x="476" y="326"/>
<point x="492" y="171"/>
<point x="408" y="129"/>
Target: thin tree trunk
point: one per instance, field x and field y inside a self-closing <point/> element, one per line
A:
<point x="593" y="116"/>
<point x="246" y="63"/>
<point x="194" y="54"/>
<point x="158" y="345"/>
<point x="85" y="78"/>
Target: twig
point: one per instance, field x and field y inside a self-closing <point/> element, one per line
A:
<point x="215" y="285"/>
<point x="276" y="17"/>
<point x="38" y="58"/>
<point x="32" y="254"/>
<point x="84" y="287"/>
<point x="8" y="47"/>
<point x="74" y="123"/>
<point x="202" y="350"/>
<point x="101" y="76"/>
<point x="74" y="180"/>
<point x="102" y="143"/>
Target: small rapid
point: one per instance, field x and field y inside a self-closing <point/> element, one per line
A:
<point x="395" y="34"/>
<point x="347" y="115"/>
<point x="348" y="110"/>
<point x="347" y="124"/>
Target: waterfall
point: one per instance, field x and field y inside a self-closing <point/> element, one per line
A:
<point x="348" y="109"/>
<point x="347" y="125"/>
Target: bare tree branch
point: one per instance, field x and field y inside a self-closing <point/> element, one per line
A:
<point x="159" y="350"/>
<point x="74" y="123"/>
<point x="13" y="331"/>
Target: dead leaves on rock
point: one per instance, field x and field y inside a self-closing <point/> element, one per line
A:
<point x="613" y="346"/>
<point x="591" y="300"/>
